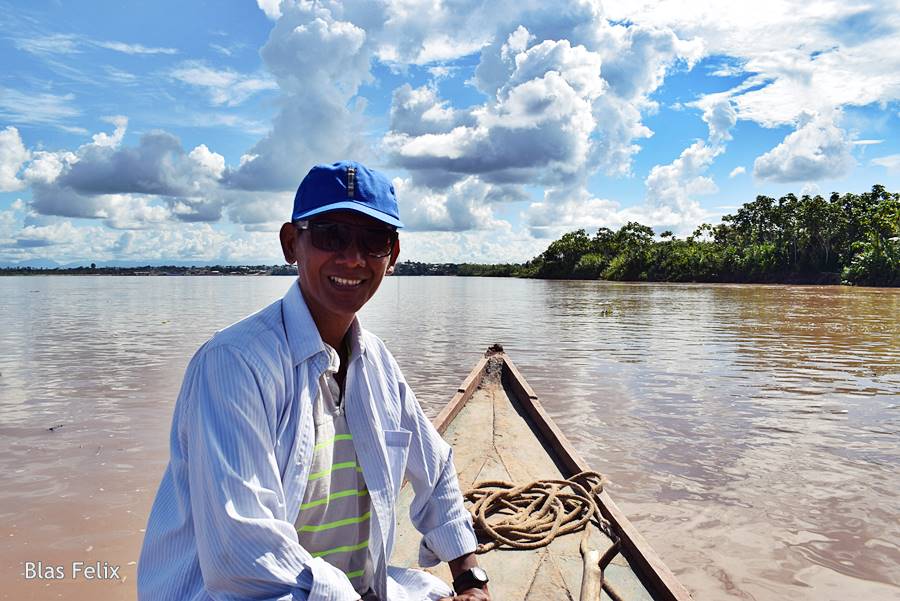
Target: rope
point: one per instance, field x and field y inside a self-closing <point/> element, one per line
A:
<point x="531" y="515"/>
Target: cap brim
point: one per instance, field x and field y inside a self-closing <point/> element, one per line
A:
<point x="349" y="205"/>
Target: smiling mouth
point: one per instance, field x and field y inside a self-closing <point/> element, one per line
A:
<point x="344" y="282"/>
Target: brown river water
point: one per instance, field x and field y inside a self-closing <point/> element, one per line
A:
<point x="751" y="433"/>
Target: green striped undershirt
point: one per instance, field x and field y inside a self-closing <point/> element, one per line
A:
<point x="337" y="466"/>
<point x="336" y="495"/>
<point x="335" y="511"/>
<point x="336" y="524"/>
<point x="332" y="440"/>
<point x="342" y="549"/>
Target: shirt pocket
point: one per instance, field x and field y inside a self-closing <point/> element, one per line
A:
<point x="397" y="444"/>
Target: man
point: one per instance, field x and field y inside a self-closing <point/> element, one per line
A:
<point x="294" y="430"/>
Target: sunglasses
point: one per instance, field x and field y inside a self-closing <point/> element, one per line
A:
<point x="336" y="237"/>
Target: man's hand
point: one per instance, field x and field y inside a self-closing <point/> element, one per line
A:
<point x="472" y="594"/>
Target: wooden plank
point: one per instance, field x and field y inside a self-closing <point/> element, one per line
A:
<point x="551" y="433"/>
<point x="463" y="393"/>
<point x="642" y="558"/>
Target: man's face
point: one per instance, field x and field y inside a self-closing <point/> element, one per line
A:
<point x="336" y="284"/>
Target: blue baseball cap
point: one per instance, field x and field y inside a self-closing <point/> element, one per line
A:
<point x="350" y="186"/>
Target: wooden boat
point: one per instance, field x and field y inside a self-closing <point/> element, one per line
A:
<point x="499" y="431"/>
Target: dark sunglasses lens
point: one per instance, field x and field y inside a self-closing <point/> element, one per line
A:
<point x="378" y="242"/>
<point x="336" y="237"/>
<point x="329" y="237"/>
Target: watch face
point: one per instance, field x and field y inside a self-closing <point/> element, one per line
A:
<point x="479" y="574"/>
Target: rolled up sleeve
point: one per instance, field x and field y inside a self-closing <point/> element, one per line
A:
<point x="246" y="547"/>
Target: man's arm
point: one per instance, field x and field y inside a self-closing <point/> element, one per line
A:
<point x="437" y="509"/>
<point x="246" y="546"/>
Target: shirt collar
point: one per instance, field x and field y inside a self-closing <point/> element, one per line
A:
<point x="303" y="336"/>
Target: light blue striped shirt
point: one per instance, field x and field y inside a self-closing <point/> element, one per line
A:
<point x="222" y="524"/>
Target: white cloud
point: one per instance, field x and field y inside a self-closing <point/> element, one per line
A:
<point x="736" y="172"/>
<point x="58" y="234"/>
<point x="102" y="139"/>
<point x="212" y="163"/>
<point x="272" y="8"/>
<point x="13" y="155"/>
<point x="890" y="162"/>
<point x="809" y="189"/>
<point x="538" y="129"/>
<point x="131" y="186"/>
<point x="37" y="108"/>
<point x="157" y="165"/>
<point x="800" y="56"/>
<point x="10" y="224"/>
<point x="257" y="210"/>
<point x="221" y="49"/>
<point x="565" y="210"/>
<point x="460" y="206"/>
<point x="49" y="44"/>
<point x="498" y="245"/>
<point x="216" y="119"/>
<point x="675" y="185"/>
<point x="319" y="61"/>
<point x="321" y="54"/>
<point x="420" y="111"/>
<point x="134" y="48"/>
<point x="817" y="149"/>
<point x="224" y="85"/>
<point x="62" y="240"/>
<point x="64" y="43"/>
<point x="719" y="117"/>
<point x="566" y="91"/>
<point x="411" y="33"/>
<point x="130" y="211"/>
<point x="439" y="72"/>
<point x="671" y="190"/>
<point x="118" y="211"/>
<point x="44" y="166"/>
<point x="120" y="77"/>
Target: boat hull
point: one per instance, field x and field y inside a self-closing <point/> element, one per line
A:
<point x="499" y="431"/>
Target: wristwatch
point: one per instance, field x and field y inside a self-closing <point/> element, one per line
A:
<point x="471" y="578"/>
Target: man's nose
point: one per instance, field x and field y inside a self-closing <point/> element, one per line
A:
<point x="353" y="255"/>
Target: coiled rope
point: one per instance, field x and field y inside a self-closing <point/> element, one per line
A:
<point x="531" y="515"/>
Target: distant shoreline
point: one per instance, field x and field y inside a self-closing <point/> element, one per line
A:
<point x="408" y="268"/>
<point x="403" y="268"/>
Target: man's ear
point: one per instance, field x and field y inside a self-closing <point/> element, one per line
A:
<point x="288" y="236"/>
<point x="394" y="254"/>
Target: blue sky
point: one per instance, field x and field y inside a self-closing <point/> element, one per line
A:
<point x="165" y="131"/>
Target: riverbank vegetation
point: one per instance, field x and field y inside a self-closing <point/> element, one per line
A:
<point x="849" y="238"/>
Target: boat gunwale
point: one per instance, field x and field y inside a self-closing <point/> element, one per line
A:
<point x="644" y="561"/>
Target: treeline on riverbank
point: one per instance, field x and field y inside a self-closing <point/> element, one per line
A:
<point x="155" y="270"/>
<point x="849" y="238"/>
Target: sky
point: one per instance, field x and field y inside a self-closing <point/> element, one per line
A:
<point x="179" y="131"/>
